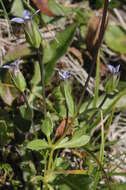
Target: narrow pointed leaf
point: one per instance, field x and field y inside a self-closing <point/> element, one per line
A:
<point x="57" y="48"/>
<point x="69" y="99"/>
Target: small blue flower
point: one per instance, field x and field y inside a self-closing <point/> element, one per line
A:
<point x="12" y="66"/>
<point x="113" y="70"/>
<point x="26" y="16"/>
<point x="18" y="20"/>
<point x="64" y="75"/>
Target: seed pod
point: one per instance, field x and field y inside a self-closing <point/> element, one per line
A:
<point x="44" y="7"/>
<point x="61" y="128"/>
<point x="93" y="29"/>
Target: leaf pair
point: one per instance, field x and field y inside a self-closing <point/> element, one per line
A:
<point x="76" y="141"/>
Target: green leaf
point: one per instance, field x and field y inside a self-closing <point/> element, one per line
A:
<point x="19" y="80"/>
<point x="50" y="187"/>
<point x="56" y="8"/>
<point x="57" y="48"/>
<point x="33" y="35"/>
<point x="115" y="38"/>
<point x="76" y="141"/>
<point x="73" y="182"/>
<point x="47" y="126"/>
<point x="26" y="112"/>
<point x="6" y="167"/>
<point x="8" y="91"/>
<point x="36" y="78"/>
<point x="28" y="36"/>
<point x="68" y="96"/>
<point x="117" y="100"/>
<point x="116" y="186"/>
<point x="17" y="8"/>
<point x="37" y="144"/>
<point x="36" y="35"/>
<point x="6" y="94"/>
<point x="112" y="84"/>
<point x="97" y="81"/>
<point x="13" y="53"/>
<point x="109" y="105"/>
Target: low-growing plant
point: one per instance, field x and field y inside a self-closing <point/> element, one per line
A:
<point x="46" y="135"/>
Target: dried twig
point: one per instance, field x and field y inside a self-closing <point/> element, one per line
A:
<point x="98" y="44"/>
<point x="122" y="22"/>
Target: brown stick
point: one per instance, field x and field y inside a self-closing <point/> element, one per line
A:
<point x="98" y="44"/>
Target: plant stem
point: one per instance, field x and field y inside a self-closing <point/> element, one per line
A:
<point x="50" y="159"/>
<point x="95" y="54"/>
<point x="99" y="107"/>
<point x="101" y="154"/>
<point x="6" y="15"/>
<point x="100" y="166"/>
<point x="32" y="114"/>
<point x="26" y="101"/>
<point x="42" y="72"/>
<point x="97" y="81"/>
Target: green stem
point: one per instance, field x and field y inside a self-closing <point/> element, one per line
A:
<point x="100" y="166"/>
<point x="50" y="159"/>
<point x="99" y="107"/>
<point x="6" y="15"/>
<point x="101" y="154"/>
<point x="32" y="114"/>
<point x="42" y="72"/>
<point x="97" y="81"/>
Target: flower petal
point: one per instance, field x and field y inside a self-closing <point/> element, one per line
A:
<point x="64" y="75"/>
<point x="113" y="70"/>
<point x="26" y="15"/>
<point x="17" y="20"/>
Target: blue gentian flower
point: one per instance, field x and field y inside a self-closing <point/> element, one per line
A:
<point x="25" y="17"/>
<point x="12" y="66"/>
<point x="31" y="30"/>
<point x="113" y="70"/>
<point x="64" y="75"/>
